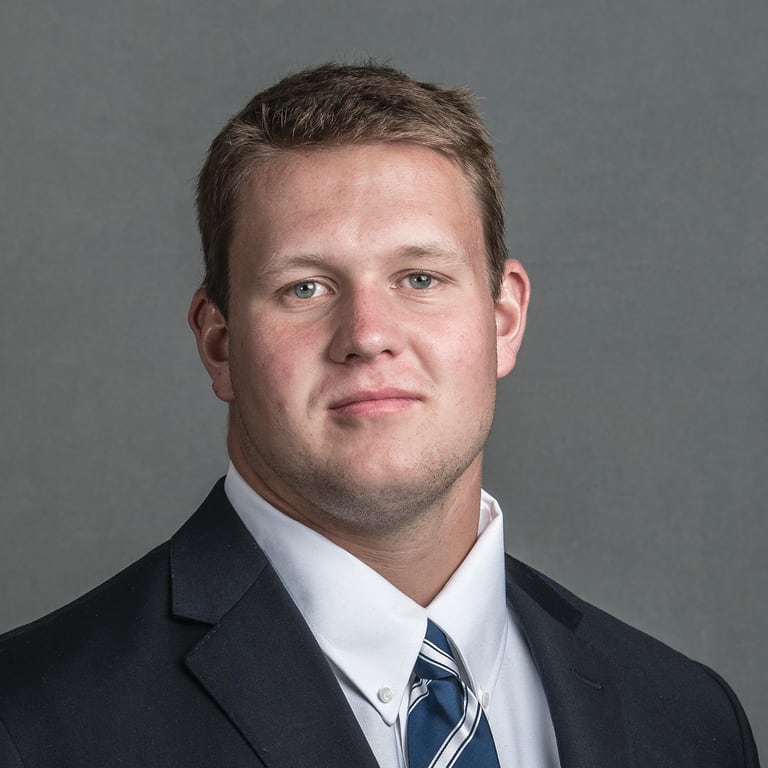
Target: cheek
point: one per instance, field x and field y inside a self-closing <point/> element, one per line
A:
<point x="474" y="348"/>
<point x="274" y="367"/>
<point x="466" y="362"/>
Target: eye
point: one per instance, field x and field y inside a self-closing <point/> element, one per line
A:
<point x="308" y="289"/>
<point x="420" y="280"/>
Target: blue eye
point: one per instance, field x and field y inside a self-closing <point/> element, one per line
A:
<point x="305" y="290"/>
<point x="420" y="281"/>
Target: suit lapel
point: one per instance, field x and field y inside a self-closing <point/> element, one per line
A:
<point x="582" y="697"/>
<point x="259" y="662"/>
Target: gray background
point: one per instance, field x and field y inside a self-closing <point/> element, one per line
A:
<point x="629" y="444"/>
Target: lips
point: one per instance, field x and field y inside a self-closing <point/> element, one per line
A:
<point x="388" y="399"/>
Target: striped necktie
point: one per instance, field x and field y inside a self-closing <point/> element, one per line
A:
<point x="447" y="727"/>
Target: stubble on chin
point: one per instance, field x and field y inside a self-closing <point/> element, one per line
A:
<point x="339" y="498"/>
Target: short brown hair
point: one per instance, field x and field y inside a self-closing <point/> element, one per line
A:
<point x="338" y="104"/>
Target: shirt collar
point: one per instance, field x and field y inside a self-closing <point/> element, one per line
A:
<point x="471" y="607"/>
<point x="370" y="631"/>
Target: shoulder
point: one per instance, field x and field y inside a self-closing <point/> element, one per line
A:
<point x="626" y="645"/>
<point x="66" y="668"/>
<point x="62" y="642"/>
<point x="664" y="695"/>
<point x="105" y="669"/>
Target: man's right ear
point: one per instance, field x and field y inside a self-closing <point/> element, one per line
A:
<point x="210" y="328"/>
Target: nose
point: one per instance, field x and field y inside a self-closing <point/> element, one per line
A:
<point x="366" y="325"/>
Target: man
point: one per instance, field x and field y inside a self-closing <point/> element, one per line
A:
<point x="341" y="598"/>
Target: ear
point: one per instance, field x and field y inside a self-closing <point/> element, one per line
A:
<point x="511" y="309"/>
<point x="210" y="328"/>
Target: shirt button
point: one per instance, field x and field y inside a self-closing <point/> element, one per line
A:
<point x="385" y="695"/>
<point x="485" y="699"/>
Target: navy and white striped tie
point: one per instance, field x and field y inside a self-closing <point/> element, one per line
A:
<point x="447" y="727"/>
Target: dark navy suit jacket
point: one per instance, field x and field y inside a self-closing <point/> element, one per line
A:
<point x="196" y="656"/>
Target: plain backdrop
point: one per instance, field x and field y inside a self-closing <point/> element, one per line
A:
<point x="629" y="444"/>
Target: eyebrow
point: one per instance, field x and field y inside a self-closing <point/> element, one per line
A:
<point x="273" y="266"/>
<point x="441" y="252"/>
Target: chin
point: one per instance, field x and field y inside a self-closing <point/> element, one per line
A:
<point x="383" y="504"/>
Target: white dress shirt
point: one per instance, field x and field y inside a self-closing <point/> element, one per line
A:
<point x="371" y="632"/>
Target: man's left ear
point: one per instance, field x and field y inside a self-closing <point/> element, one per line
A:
<point x="511" y="309"/>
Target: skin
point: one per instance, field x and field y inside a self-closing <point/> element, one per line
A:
<point x="361" y="352"/>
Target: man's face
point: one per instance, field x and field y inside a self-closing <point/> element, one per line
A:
<point x="360" y="351"/>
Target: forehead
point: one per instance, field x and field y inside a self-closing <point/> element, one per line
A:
<point x="360" y="185"/>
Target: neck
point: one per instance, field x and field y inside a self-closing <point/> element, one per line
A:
<point x="417" y="558"/>
<point x="420" y="559"/>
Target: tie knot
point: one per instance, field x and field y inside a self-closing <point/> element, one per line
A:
<point x="435" y="660"/>
<point x="446" y="724"/>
